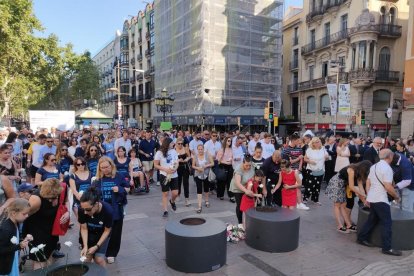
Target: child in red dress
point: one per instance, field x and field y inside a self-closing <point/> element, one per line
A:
<point x="291" y="181"/>
<point x="253" y="185"/>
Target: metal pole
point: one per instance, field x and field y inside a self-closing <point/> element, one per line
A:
<point x="337" y="95"/>
<point x="163" y="110"/>
<point x="119" y="92"/>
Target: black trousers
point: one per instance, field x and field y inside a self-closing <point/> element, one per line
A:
<point x="329" y="170"/>
<point x="312" y="185"/>
<point x="183" y="178"/>
<point x="239" y="214"/>
<point x="223" y="185"/>
<point x="115" y="239"/>
<point x="202" y="185"/>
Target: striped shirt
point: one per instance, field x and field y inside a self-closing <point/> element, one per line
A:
<point x="294" y="153"/>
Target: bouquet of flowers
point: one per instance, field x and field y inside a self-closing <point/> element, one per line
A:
<point x="235" y="233"/>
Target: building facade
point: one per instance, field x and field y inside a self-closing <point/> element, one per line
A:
<point x="363" y="38"/>
<point x="220" y="60"/>
<point x="407" y="122"/>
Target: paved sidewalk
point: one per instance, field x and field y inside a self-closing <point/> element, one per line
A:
<point x="321" y="251"/>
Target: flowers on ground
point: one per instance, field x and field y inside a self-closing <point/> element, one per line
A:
<point x="235" y="233"/>
<point x="68" y="243"/>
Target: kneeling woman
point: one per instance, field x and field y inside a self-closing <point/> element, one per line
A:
<point x="95" y="219"/>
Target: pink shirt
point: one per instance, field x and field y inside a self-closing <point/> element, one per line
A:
<point x="225" y="157"/>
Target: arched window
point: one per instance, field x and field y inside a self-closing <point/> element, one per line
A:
<point x="392" y="16"/>
<point x="384" y="59"/>
<point x="310" y="104"/>
<point x="381" y="100"/>
<point x="324" y="104"/>
<point x="383" y="16"/>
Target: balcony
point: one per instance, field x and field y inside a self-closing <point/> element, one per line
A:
<point x="139" y="40"/>
<point x="133" y="44"/>
<point x="132" y="80"/>
<point x="324" y="42"/>
<point x="132" y="61"/>
<point x="124" y="81"/>
<point x="147" y="74"/>
<point x="152" y="69"/>
<point x="317" y="13"/>
<point x="139" y="76"/>
<point x="125" y="47"/>
<point x="147" y="96"/>
<point x="294" y="65"/>
<point x="140" y="96"/>
<point x="147" y="53"/>
<point x="366" y="74"/>
<point x="147" y="35"/>
<point x="316" y="83"/>
<point x="139" y="57"/>
<point x="387" y="76"/>
<point x="383" y="30"/>
<point x="113" y="80"/>
<point x="295" y="41"/>
<point x="124" y="63"/>
<point x="151" y="27"/>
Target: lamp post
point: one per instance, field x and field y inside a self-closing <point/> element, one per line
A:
<point x="339" y="66"/>
<point x="164" y="103"/>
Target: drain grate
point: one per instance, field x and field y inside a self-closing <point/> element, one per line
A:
<point x="270" y="270"/>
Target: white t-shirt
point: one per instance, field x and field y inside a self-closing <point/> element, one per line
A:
<point x="167" y="162"/>
<point x="212" y="148"/>
<point x="318" y="156"/>
<point x="194" y="144"/>
<point x="237" y="154"/>
<point x="377" y="192"/>
<point x="250" y="146"/>
<point x="268" y="150"/>
<point x="120" y="142"/>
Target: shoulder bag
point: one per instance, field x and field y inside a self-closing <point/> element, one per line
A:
<point x="390" y="198"/>
<point x="58" y="228"/>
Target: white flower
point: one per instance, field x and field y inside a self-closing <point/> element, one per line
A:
<point x="41" y="246"/>
<point x="29" y="237"/>
<point x="93" y="179"/>
<point x="34" y="250"/>
<point x="80" y="193"/>
<point x="261" y="186"/>
<point x="68" y="243"/>
<point x="14" y="240"/>
<point x="83" y="259"/>
<point x="55" y="171"/>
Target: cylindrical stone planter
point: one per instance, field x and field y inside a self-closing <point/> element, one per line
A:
<point x="272" y="229"/>
<point x="70" y="269"/>
<point x="195" y="244"/>
<point x="402" y="229"/>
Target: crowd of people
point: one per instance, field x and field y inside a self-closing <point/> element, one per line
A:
<point x="92" y="171"/>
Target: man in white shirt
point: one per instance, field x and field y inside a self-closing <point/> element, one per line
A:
<point x="195" y="142"/>
<point x="268" y="148"/>
<point x="252" y="143"/>
<point x="238" y="153"/>
<point x="212" y="146"/>
<point x="379" y="183"/>
<point x="124" y="141"/>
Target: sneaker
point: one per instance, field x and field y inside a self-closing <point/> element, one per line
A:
<point x="343" y="230"/>
<point x="392" y="252"/>
<point x="158" y="183"/>
<point x="302" y="206"/>
<point x="173" y="206"/>
<point x="232" y="200"/>
<point x="165" y="214"/>
<point x="110" y="260"/>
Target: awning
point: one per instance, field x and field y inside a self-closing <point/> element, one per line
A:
<point x="323" y="126"/>
<point x="380" y="126"/>
<point x="309" y="126"/>
<point x="341" y="126"/>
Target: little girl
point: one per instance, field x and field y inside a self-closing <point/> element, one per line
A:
<point x="248" y="202"/>
<point x="10" y="244"/>
<point x="291" y="181"/>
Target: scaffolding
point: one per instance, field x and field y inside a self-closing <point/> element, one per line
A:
<point x="230" y="47"/>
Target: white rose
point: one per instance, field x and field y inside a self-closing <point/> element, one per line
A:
<point x="41" y="246"/>
<point x="14" y="240"/>
<point x="29" y="237"/>
<point x="34" y="250"/>
<point x="80" y="193"/>
<point x="261" y="186"/>
<point x="68" y="243"/>
<point x="55" y="171"/>
<point x="83" y="259"/>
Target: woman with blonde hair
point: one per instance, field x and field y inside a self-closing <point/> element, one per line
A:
<point x="44" y="204"/>
<point x="109" y="145"/>
<point x="342" y="154"/>
<point x="113" y="190"/>
<point x="315" y="158"/>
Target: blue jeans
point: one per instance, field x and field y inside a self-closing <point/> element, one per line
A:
<point x="380" y="212"/>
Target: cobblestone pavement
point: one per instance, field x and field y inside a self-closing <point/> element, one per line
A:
<point x="321" y="251"/>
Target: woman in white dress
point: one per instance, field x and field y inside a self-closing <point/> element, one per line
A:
<point x="343" y="153"/>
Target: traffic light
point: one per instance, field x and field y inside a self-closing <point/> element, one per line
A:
<point x="362" y="117"/>
<point x="358" y="118"/>
<point x="270" y="107"/>
<point x="266" y="113"/>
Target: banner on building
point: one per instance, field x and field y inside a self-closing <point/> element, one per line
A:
<point x="333" y="97"/>
<point x="344" y="99"/>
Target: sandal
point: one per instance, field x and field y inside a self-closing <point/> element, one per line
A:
<point x="353" y="228"/>
<point x="199" y="210"/>
<point x="343" y="229"/>
<point x="207" y="204"/>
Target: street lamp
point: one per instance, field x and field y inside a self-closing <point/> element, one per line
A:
<point x="339" y="66"/>
<point x="164" y="103"/>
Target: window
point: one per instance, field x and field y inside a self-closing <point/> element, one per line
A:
<point x="324" y="104"/>
<point x="324" y="69"/>
<point x="327" y="37"/>
<point x="362" y="52"/>
<point x="353" y="58"/>
<point x="295" y="37"/>
<point x="312" y="38"/>
<point x="383" y="16"/>
<point x="381" y="100"/>
<point x="392" y="16"/>
<point x="342" y="63"/>
<point x="311" y="72"/>
<point x="344" y="22"/>
<point x="384" y="59"/>
<point x="310" y="105"/>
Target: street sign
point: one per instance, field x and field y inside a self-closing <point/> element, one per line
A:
<point x="389" y="113"/>
<point x="275" y="121"/>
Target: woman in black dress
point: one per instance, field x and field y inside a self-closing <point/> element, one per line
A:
<point x="43" y="208"/>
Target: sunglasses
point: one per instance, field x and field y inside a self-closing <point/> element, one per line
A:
<point x="92" y="150"/>
<point x="53" y="160"/>
<point x="64" y="149"/>
<point x="29" y="137"/>
<point x="49" y="141"/>
<point x="214" y="135"/>
<point x="80" y="164"/>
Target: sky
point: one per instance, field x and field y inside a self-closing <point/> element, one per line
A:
<point x="90" y="24"/>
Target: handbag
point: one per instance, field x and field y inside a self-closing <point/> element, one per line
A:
<point x="58" y="228"/>
<point x="220" y="173"/>
<point x="211" y="176"/>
